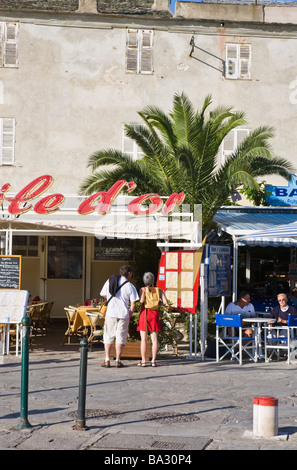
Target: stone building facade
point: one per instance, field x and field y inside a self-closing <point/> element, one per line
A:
<point x="68" y="84"/>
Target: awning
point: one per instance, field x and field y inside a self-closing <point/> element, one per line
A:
<point x="119" y="223"/>
<point x="260" y="226"/>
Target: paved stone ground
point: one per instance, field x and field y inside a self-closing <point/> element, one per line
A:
<point x="178" y="407"/>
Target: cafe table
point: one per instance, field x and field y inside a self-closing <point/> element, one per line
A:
<point x="259" y="321"/>
<point x="81" y="319"/>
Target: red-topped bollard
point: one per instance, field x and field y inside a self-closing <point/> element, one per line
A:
<point x="265" y="416"/>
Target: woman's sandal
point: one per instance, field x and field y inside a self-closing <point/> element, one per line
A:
<point x="154" y="364"/>
<point x="141" y="364"/>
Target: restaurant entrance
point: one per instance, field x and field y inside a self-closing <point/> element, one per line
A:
<point x="53" y="268"/>
<point x="64" y="276"/>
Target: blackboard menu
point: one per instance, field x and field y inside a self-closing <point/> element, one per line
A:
<point x="10" y="272"/>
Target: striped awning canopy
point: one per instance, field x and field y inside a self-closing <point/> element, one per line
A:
<point x="260" y="226"/>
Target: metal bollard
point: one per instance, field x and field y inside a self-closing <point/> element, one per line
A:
<point x="81" y="412"/>
<point x="24" y="423"/>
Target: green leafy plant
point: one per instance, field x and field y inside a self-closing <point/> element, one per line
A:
<point x="256" y="195"/>
<point x="168" y="318"/>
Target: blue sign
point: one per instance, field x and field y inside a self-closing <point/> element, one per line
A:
<point x="173" y="2"/>
<point x="282" y="195"/>
<point x="218" y="262"/>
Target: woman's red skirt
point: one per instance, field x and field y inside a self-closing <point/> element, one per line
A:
<point x="152" y="318"/>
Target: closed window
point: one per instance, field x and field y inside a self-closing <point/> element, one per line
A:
<point x="7" y="131"/>
<point x="130" y="147"/>
<point x="8" y="44"/>
<point x="139" y="51"/>
<point x="238" y="61"/>
<point x="233" y="140"/>
<point x="25" y="245"/>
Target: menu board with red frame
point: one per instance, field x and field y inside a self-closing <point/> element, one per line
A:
<point x="178" y="277"/>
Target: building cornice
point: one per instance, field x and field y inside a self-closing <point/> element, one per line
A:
<point x="150" y="11"/>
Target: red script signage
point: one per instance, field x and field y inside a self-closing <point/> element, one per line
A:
<point x="99" y="202"/>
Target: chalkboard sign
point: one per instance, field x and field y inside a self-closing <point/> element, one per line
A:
<point x="10" y="272"/>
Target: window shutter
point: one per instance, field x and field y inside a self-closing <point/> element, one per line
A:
<point x="130" y="147"/>
<point x="232" y="140"/>
<point x="7" y="127"/>
<point x="241" y="134"/>
<point x="132" y="51"/>
<point x="2" y="42"/>
<point x="231" y="61"/>
<point x="139" y="51"/>
<point x="127" y="144"/>
<point x="228" y="144"/>
<point x="244" y="60"/>
<point x="146" y="52"/>
<point x="10" y="45"/>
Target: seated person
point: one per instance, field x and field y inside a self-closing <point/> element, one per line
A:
<point x="280" y="312"/>
<point x="244" y="307"/>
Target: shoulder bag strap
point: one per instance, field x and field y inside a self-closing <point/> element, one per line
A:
<point x="119" y="287"/>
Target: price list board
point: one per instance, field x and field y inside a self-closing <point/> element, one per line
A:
<point x="178" y="277"/>
<point x="10" y="272"/>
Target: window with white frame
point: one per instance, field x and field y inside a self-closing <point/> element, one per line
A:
<point x="130" y="147"/>
<point x="232" y="140"/>
<point x="238" y="61"/>
<point x="7" y="137"/>
<point x="8" y="44"/>
<point x="139" y="51"/>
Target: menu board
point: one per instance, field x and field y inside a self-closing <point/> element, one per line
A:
<point x="178" y="277"/>
<point x="219" y="271"/>
<point x="13" y="305"/>
<point x="10" y="272"/>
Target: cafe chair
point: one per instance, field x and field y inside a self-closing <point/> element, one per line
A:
<point x="230" y="339"/>
<point x="96" y="325"/>
<point x="280" y="338"/>
<point x="70" y="315"/>
<point x="37" y="313"/>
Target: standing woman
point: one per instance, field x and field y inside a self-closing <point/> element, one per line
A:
<point x="149" y="320"/>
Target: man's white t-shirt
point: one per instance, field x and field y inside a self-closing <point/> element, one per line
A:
<point x="118" y="306"/>
<point x="247" y="311"/>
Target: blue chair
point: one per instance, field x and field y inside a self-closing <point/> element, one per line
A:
<point x="277" y="338"/>
<point x="229" y="335"/>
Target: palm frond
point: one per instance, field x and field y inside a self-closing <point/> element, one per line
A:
<point x="181" y="151"/>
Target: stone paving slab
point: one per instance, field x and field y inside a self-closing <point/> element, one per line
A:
<point x="182" y="403"/>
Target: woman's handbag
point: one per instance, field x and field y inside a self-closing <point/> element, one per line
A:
<point x="103" y="308"/>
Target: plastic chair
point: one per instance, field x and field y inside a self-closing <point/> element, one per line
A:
<point x="229" y="334"/>
<point x="277" y="338"/>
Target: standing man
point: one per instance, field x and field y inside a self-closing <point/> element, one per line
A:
<point x="119" y="311"/>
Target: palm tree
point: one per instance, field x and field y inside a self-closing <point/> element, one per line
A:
<point x="181" y="154"/>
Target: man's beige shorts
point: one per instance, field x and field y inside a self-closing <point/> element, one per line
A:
<point x="116" y="328"/>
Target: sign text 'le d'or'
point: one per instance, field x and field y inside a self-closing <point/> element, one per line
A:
<point x="99" y="202"/>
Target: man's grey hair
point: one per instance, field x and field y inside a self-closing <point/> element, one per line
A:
<point x="148" y="279"/>
<point x="282" y="293"/>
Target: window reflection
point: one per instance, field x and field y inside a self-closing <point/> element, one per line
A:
<point x="65" y="257"/>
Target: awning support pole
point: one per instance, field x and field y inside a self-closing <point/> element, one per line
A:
<point x="235" y="267"/>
